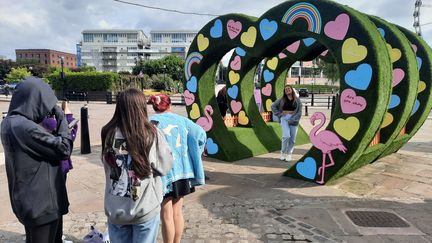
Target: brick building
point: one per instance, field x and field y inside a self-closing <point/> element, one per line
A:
<point x="47" y="56"/>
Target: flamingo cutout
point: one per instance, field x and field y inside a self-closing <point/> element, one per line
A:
<point x="326" y="141"/>
<point x="206" y="122"/>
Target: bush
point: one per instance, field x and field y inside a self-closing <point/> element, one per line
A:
<point x="84" y="81"/>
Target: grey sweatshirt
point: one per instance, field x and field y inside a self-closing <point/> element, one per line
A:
<point x="129" y="200"/>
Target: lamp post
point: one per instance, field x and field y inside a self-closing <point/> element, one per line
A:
<point x="165" y="81"/>
<point x="62" y="76"/>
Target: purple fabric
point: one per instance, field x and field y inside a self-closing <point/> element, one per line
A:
<point x="49" y="123"/>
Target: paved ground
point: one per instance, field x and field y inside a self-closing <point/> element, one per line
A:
<point x="249" y="200"/>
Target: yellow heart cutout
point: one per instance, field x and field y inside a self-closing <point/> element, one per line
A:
<point x="395" y="54"/>
<point x="388" y="119"/>
<point x="352" y="52"/>
<point x="269" y="103"/>
<point x="242" y="118"/>
<point x="347" y="128"/>
<point x="195" y="113"/>
<point x="248" y="38"/>
<point x="203" y="42"/>
<point x="233" y="77"/>
<point x="421" y="86"/>
<point x="272" y="63"/>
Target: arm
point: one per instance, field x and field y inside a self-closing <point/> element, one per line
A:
<point x="297" y="115"/>
<point x="275" y="108"/>
<point x="196" y="140"/>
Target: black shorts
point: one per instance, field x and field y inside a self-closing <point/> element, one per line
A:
<point x="180" y="188"/>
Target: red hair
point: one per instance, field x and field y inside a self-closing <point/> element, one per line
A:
<point x="160" y="102"/>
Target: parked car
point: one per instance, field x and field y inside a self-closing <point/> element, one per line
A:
<point x="303" y="92"/>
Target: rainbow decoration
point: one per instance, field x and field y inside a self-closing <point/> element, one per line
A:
<point x="194" y="57"/>
<point x="307" y="12"/>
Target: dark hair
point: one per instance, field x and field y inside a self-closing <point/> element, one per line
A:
<point x="160" y="102"/>
<point x="131" y="118"/>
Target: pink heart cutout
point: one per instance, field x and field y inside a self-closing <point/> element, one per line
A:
<point x="398" y="76"/>
<point x="236" y="63"/>
<point x="414" y="47"/>
<point x="293" y="48"/>
<point x="282" y="55"/>
<point x="267" y="90"/>
<point x="234" y="28"/>
<point x="338" y="29"/>
<point x="324" y="53"/>
<point x="351" y="103"/>
<point x="236" y="106"/>
<point x="189" y="98"/>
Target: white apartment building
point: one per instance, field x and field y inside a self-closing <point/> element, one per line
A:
<point x="113" y="50"/>
<point x="166" y="42"/>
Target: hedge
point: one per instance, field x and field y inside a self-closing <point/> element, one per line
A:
<point x="85" y="81"/>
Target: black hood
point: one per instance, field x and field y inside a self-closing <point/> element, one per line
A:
<point x="32" y="98"/>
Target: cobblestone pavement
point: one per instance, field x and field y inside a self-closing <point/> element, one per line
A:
<point x="249" y="200"/>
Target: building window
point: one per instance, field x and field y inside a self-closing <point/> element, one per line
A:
<point x="112" y="38"/>
<point x="132" y="38"/>
<point x="157" y="38"/>
<point x="88" y="37"/>
<point x="19" y="55"/>
<point x="178" y="38"/>
<point x="45" y="55"/>
<point x="46" y="62"/>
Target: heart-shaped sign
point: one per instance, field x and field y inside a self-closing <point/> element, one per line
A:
<point x="192" y="84"/>
<point x="240" y="51"/>
<point x="395" y="54"/>
<point x="234" y="28"/>
<point x="267" y="90"/>
<point x="382" y="32"/>
<point x="359" y="78"/>
<point x="419" y="63"/>
<point x="307" y="168"/>
<point x="233" y="77"/>
<point x="324" y="53"/>
<point x="347" y="128"/>
<point x="272" y="63"/>
<point x="414" y="47"/>
<point x="216" y="30"/>
<point x="398" y="76"/>
<point x="421" y="86"/>
<point x="268" y="104"/>
<point x="293" y="48"/>
<point x="352" y="52"/>
<point x="242" y="118"/>
<point x="212" y="147"/>
<point x="282" y="55"/>
<point x="236" y="106"/>
<point x="268" y="76"/>
<point x="309" y="41"/>
<point x="233" y="92"/>
<point x="236" y="63"/>
<point x="195" y="112"/>
<point x="351" y="103"/>
<point x="188" y="97"/>
<point x="338" y="29"/>
<point x="267" y="28"/>
<point x="388" y="119"/>
<point x="394" y="101"/>
<point x="248" y="38"/>
<point x="416" y="107"/>
<point x="203" y="42"/>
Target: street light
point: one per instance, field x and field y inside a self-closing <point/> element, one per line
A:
<point x="165" y="81"/>
<point x="62" y="76"/>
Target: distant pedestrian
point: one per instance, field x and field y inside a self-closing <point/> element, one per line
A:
<point x="222" y="101"/>
<point x="36" y="186"/>
<point x="186" y="140"/>
<point x="135" y="156"/>
<point x="288" y="109"/>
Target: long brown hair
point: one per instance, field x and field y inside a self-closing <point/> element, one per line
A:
<point x="285" y="98"/>
<point x="131" y="118"/>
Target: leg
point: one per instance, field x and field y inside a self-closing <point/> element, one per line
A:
<point x="167" y="217"/>
<point x="292" y="138"/>
<point x="59" y="233"/>
<point x="42" y="233"/>
<point x="120" y="233"/>
<point x="178" y="219"/>
<point x="146" y="232"/>
<point x="321" y="169"/>
<point x="285" y="134"/>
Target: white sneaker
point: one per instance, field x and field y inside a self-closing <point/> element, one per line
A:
<point x="282" y="157"/>
<point x="288" y="157"/>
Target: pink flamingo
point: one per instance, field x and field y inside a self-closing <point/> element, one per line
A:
<point x="206" y="122"/>
<point x="326" y="141"/>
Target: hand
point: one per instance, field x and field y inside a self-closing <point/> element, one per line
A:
<point x="58" y="113"/>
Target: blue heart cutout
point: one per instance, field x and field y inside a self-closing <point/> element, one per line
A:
<point x="419" y="63"/>
<point x="309" y="41"/>
<point x="216" y="30"/>
<point x="394" y="101"/>
<point x="191" y="85"/>
<point x="233" y="92"/>
<point x="268" y="76"/>
<point x="382" y="32"/>
<point x="240" y="51"/>
<point x="416" y="107"/>
<point x="307" y="169"/>
<point x="360" y="78"/>
<point x="267" y="28"/>
<point x="212" y="147"/>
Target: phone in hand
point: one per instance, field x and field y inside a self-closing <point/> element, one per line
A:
<point x="73" y="123"/>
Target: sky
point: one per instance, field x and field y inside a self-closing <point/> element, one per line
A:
<point x="57" y="24"/>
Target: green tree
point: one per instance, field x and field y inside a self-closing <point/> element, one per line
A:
<point x="5" y="67"/>
<point x="171" y="65"/>
<point x="16" y="74"/>
<point x="330" y="71"/>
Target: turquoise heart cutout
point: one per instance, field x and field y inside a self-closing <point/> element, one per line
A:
<point x="233" y="92"/>
<point x="268" y="76"/>
<point x="267" y="28"/>
<point x="307" y="169"/>
<point x="394" y="101"/>
<point x="191" y="85"/>
<point x="212" y="147"/>
<point x="216" y="30"/>
<point x="359" y="78"/>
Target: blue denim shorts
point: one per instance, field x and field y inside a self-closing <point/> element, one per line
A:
<point x="135" y="233"/>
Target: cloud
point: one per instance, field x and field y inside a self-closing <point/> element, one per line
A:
<point x="57" y="24"/>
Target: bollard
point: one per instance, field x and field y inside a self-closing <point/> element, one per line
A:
<point x="328" y="102"/>
<point x="312" y="100"/>
<point x="85" y="136"/>
<point x="306" y="110"/>
<point x="333" y="105"/>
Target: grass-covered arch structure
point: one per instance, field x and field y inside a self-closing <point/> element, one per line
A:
<point x="357" y="47"/>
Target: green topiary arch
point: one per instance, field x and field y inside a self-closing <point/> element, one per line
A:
<point x="357" y="47"/>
